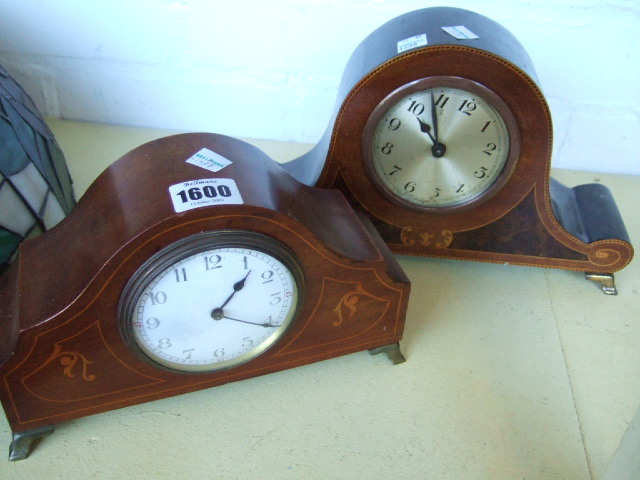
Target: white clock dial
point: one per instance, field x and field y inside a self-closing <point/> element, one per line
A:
<point x="213" y="308"/>
<point x="439" y="147"/>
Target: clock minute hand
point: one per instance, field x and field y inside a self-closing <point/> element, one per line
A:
<point x="265" y="324"/>
<point x="438" y="149"/>
<point x="434" y="119"/>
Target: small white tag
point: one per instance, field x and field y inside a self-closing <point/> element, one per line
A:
<point x="412" y="42"/>
<point x="209" y="160"/>
<point x="204" y="193"/>
<point x="461" y="32"/>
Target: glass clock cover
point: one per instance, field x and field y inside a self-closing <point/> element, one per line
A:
<point x="211" y="302"/>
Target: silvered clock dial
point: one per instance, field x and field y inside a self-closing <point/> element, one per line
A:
<point x="441" y="143"/>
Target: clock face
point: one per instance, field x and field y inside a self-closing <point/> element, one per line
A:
<point x="441" y="143"/>
<point x="212" y="301"/>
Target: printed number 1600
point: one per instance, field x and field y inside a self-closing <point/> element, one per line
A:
<point x="209" y="191"/>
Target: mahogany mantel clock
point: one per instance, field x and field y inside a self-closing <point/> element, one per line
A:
<point x="193" y="261"/>
<point x="443" y="137"/>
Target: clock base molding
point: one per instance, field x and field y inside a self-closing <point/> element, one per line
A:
<point x="23" y="442"/>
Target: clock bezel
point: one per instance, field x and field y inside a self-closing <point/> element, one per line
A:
<point x="191" y="245"/>
<point x="442" y="81"/>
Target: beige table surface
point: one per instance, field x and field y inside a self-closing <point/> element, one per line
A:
<point x="512" y="373"/>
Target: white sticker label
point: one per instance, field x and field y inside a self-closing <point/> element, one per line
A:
<point x="209" y="160"/>
<point x="412" y="42"/>
<point x="461" y="32"/>
<point x="204" y="193"/>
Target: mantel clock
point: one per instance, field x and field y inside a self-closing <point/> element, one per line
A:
<point x="442" y="136"/>
<point x="191" y="262"/>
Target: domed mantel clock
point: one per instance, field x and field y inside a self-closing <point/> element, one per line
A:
<point x="193" y="261"/>
<point x="442" y="136"/>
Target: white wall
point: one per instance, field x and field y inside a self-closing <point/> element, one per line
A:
<point x="270" y="69"/>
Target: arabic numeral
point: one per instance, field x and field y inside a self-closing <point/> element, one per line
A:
<point x="191" y="194"/>
<point x="152" y="323"/>
<point x="410" y="187"/>
<point x="219" y="353"/>
<point x="212" y="262"/>
<point x="224" y="191"/>
<point x="387" y="148"/>
<point x="467" y="107"/>
<point x="491" y="147"/>
<point x="188" y="353"/>
<point x="394" y="124"/>
<point x="195" y="193"/>
<point x="441" y="101"/>
<point x="396" y="169"/>
<point x="158" y="298"/>
<point x="210" y="192"/>
<point x="416" y="108"/>
<point x="181" y="274"/>
<point x="480" y="173"/>
<point x="276" y="298"/>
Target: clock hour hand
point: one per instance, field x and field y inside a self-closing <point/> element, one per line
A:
<point x="217" y="313"/>
<point x="438" y="148"/>
<point x="239" y="285"/>
<point x="426" y="128"/>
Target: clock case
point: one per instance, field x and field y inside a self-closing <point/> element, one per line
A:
<point x="532" y="220"/>
<point x="62" y="353"/>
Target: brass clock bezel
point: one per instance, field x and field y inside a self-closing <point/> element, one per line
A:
<point x="445" y="81"/>
<point x="191" y="245"/>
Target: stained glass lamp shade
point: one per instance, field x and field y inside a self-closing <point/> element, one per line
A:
<point x="35" y="185"/>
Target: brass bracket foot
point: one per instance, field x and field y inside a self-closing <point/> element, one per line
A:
<point x="22" y="441"/>
<point x="392" y="351"/>
<point x="606" y="281"/>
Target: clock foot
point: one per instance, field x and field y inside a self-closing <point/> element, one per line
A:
<point x="22" y="441"/>
<point x="606" y="281"/>
<point x="392" y="351"/>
